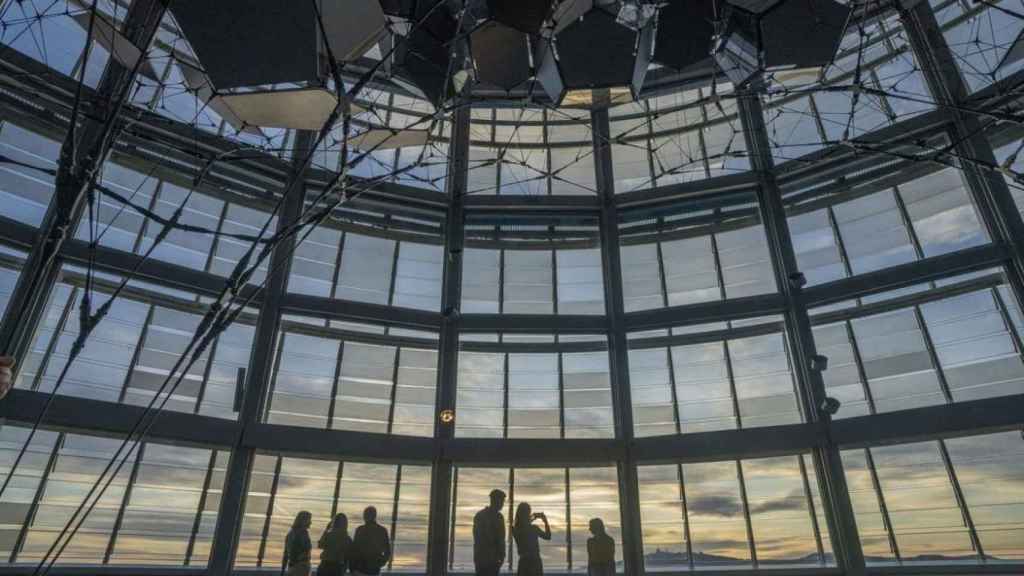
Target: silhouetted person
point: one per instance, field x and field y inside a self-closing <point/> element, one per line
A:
<point x="6" y="374"/>
<point x="336" y="546"/>
<point x="370" y="547"/>
<point x="297" y="546"/>
<point x="600" y="550"/>
<point x="527" y="543"/>
<point x="489" y="537"/>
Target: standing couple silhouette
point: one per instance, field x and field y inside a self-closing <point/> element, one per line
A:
<point x="489" y="541"/>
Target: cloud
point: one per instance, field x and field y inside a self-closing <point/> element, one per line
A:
<point x="724" y="506"/>
<point x="795" y="501"/>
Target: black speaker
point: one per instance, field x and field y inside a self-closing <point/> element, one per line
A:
<point x="241" y="46"/>
<point x="500" y="55"/>
<point x="684" y="34"/>
<point x="524" y="15"/>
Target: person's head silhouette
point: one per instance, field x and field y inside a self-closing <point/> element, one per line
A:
<point x="497" y="499"/>
<point x="524" y="515"/>
<point x="596" y="526"/>
<point x="370" y="515"/>
<point x="303" y="520"/>
<point x="340" y="523"/>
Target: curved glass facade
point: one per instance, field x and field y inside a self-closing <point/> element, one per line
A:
<point x="642" y="313"/>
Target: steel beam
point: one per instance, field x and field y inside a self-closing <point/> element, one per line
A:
<point x="85" y="148"/>
<point x="832" y="479"/>
<point x="993" y="201"/>
<point x="618" y="348"/>
<point x="910" y="274"/>
<point x="532" y="323"/>
<point x="100" y="418"/>
<point x="704" y="312"/>
<point x="931" y="422"/>
<point x="337" y="444"/>
<point x="335" y="309"/>
<point x="542" y="452"/>
<point x="259" y="375"/>
<point x="728" y="444"/>
<point x="448" y="344"/>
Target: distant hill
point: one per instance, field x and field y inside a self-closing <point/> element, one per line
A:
<point x="665" y="558"/>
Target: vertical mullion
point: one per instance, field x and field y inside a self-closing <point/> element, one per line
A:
<point x="273" y="378"/>
<point x="448" y="342"/>
<point x="862" y="374"/>
<point x="719" y="274"/>
<point x="727" y="357"/>
<point x="1011" y="328"/>
<point x="686" y="515"/>
<point x="568" y="521"/>
<point x="501" y="277"/>
<point x="332" y="407"/>
<point x="137" y="243"/>
<point x="791" y="360"/>
<point x="451" y="525"/>
<point x="554" y="277"/>
<point x="818" y="123"/>
<point x="394" y="516"/>
<point x="201" y="395"/>
<point x="700" y="136"/>
<point x="62" y="322"/>
<point x="908" y="223"/>
<point x="197" y="522"/>
<point x="649" y="147"/>
<point x="811" y="509"/>
<point x="547" y="151"/>
<point x="337" y="265"/>
<point x="507" y="394"/>
<point x="394" y="274"/>
<point x="961" y="501"/>
<point x="135" y="354"/>
<point x="844" y="256"/>
<point x="561" y="397"/>
<point x="394" y="390"/>
<point x="511" y="513"/>
<point x="499" y="153"/>
<point x="661" y="272"/>
<point x="33" y="509"/>
<point x="933" y="355"/>
<point x="216" y="238"/>
<point x="140" y="453"/>
<point x="270" y="513"/>
<point x="561" y="379"/>
<point x="876" y="483"/>
<point x="337" y="489"/>
<point x="672" y="390"/>
<point x="746" y="513"/>
<point x="668" y="349"/>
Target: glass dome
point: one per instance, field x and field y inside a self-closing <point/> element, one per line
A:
<point x="772" y="329"/>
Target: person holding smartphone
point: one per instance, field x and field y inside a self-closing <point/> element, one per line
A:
<point x="527" y="536"/>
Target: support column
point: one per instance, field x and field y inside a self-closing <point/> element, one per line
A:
<point x="829" y="467"/>
<point x="448" y="343"/>
<point x="85" y="148"/>
<point x="259" y="374"/>
<point x="989" y="191"/>
<point x="618" y="352"/>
